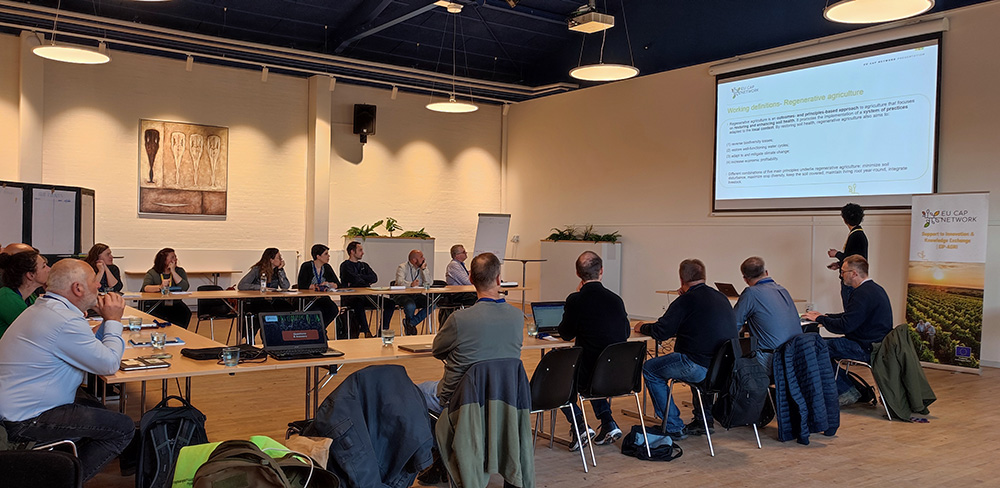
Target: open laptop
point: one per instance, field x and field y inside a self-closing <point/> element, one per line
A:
<point x="727" y="289"/>
<point x="547" y="316"/>
<point x="295" y="335"/>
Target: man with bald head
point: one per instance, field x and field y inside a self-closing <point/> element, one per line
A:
<point x="413" y="274"/>
<point x="43" y="359"/>
<point x="16" y="247"/>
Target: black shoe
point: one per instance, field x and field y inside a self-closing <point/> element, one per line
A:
<point x="409" y="329"/>
<point x="585" y="438"/>
<point x="677" y="435"/>
<point x="696" y="427"/>
<point x="608" y="434"/>
<point x="434" y="475"/>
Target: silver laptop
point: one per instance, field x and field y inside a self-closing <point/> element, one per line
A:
<point x="548" y="316"/>
<point x="295" y="335"/>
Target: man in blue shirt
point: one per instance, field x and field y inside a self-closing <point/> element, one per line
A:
<point x="767" y="310"/>
<point x="702" y="320"/>
<point x="44" y="357"/>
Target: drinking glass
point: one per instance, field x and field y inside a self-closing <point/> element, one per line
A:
<point x="230" y="356"/>
<point x="532" y="329"/>
<point x="158" y="340"/>
<point x="388" y="335"/>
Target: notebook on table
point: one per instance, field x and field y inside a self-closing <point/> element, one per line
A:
<point x="295" y="335"/>
<point x="423" y="347"/>
<point x="548" y="316"/>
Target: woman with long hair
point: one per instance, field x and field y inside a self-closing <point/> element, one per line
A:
<point x="100" y="259"/>
<point x="271" y="267"/>
<point x="23" y="274"/>
<point x="166" y="274"/>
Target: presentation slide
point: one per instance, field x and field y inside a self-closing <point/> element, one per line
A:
<point x="850" y="127"/>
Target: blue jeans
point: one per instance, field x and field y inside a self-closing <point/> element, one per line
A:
<point x="658" y="372"/>
<point x="844" y="348"/>
<point x="99" y="433"/>
<point x="410" y="304"/>
<point x="429" y="391"/>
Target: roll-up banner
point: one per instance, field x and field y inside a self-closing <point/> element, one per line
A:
<point x="944" y="300"/>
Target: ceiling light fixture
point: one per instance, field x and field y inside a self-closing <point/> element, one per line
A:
<point x="189" y="64"/>
<point x="602" y="71"/>
<point x="71" y="54"/>
<point x="263" y="74"/>
<point x="872" y="11"/>
<point x="333" y="83"/>
<point x="452" y="106"/>
<point x="395" y="91"/>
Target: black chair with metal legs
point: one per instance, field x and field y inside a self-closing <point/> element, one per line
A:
<point x="847" y="363"/>
<point x="214" y="308"/>
<point x="618" y="373"/>
<point x="553" y="386"/>
<point x="715" y="381"/>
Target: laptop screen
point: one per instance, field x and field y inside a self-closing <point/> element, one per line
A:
<point x="547" y="315"/>
<point x="280" y="329"/>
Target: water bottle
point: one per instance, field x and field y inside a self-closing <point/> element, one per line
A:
<point x="263" y="283"/>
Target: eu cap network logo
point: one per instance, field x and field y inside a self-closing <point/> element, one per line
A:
<point x="744" y="90"/>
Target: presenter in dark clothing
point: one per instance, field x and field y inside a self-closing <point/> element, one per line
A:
<point x="867" y="318"/>
<point x="356" y="273"/>
<point x="318" y="275"/>
<point x="701" y="319"/>
<point x="857" y="243"/>
<point x="596" y="318"/>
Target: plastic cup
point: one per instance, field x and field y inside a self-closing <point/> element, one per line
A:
<point x="388" y="335"/>
<point x="158" y="340"/>
<point x="230" y="356"/>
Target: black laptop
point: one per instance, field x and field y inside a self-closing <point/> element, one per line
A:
<point x="295" y="335"/>
<point x="727" y="289"/>
<point x="548" y="316"/>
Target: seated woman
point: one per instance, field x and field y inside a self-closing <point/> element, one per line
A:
<point x="23" y="273"/>
<point x="318" y="275"/>
<point x="166" y="274"/>
<point x="272" y="267"/>
<point x="99" y="257"/>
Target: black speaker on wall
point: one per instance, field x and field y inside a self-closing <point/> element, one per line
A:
<point x="364" y="120"/>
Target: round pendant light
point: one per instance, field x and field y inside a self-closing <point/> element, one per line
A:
<point x="872" y="11"/>
<point x="72" y="54"/>
<point x="604" y="72"/>
<point x="452" y="106"/>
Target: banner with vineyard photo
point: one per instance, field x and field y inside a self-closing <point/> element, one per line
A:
<point x="944" y="301"/>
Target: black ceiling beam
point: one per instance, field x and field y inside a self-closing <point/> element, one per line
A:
<point x="368" y="26"/>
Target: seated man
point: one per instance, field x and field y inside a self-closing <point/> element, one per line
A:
<point x="413" y="273"/>
<point x="702" y="320"/>
<point x="596" y="318"/>
<point x="356" y="273"/>
<point x="43" y="358"/>
<point x="867" y="318"/>
<point x="767" y="310"/>
<point x="490" y="329"/>
<point x="457" y="275"/>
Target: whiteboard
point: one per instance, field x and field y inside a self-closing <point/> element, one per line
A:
<point x="53" y="221"/>
<point x="11" y="214"/>
<point x="491" y="234"/>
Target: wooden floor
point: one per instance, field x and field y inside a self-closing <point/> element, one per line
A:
<point x="958" y="447"/>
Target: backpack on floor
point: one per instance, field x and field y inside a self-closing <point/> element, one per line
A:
<point x="241" y="464"/>
<point x="742" y="399"/>
<point x="867" y="391"/>
<point x="163" y="431"/>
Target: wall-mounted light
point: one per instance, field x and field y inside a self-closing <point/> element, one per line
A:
<point x="189" y="64"/>
<point x="395" y="91"/>
<point x="333" y="83"/>
<point x="263" y="74"/>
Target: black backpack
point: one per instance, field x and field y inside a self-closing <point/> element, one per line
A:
<point x="867" y="391"/>
<point x="163" y="431"/>
<point x="744" y="394"/>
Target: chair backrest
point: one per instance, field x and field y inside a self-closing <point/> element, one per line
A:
<point x="23" y="469"/>
<point x="618" y="370"/>
<point x="211" y="306"/>
<point x="553" y="384"/>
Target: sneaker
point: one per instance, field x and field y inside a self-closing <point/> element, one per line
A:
<point x="677" y="436"/>
<point x="848" y="397"/>
<point x="584" y="438"/>
<point x="608" y="434"/>
<point x="696" y="427"/>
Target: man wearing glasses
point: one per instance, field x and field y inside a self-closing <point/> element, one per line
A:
<point x="867" y="318"/>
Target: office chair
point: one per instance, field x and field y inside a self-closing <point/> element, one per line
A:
<point x="553" y="386"/>
<point x="214" y="308"/>
<point x="618" y="373"/>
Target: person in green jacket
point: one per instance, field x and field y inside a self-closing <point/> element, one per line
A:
<point x="23" y="274"/>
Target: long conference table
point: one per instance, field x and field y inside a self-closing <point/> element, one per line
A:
<point x="369" y="350"/>
<point x="306" y="298"/>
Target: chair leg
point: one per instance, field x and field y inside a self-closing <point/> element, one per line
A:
<point x="196" y="326"/>
<point x="756" y="434"/>
<point x="211" y="325"/>
<point x="704" y="420"/>
<point x="881" y="398"/>
<point x="579" y="440"/>
<point x="638" y="408"/>
<point x="666" y="411"/>
<point x="538" y="418"/>
<point x="552" y="429"/>
<point x="232" y="323"/>
<point x="586" y="431"/>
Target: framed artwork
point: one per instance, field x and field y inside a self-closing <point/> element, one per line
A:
<point x="183" y="168"/>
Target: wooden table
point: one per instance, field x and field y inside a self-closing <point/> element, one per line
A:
<point x="213" y="273"/>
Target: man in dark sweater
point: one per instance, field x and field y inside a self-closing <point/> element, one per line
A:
<point x="357" y="273"/>
<point x="701" y="319"/>
<point x="867" y="318"/>
<point x="596" y="318"/>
